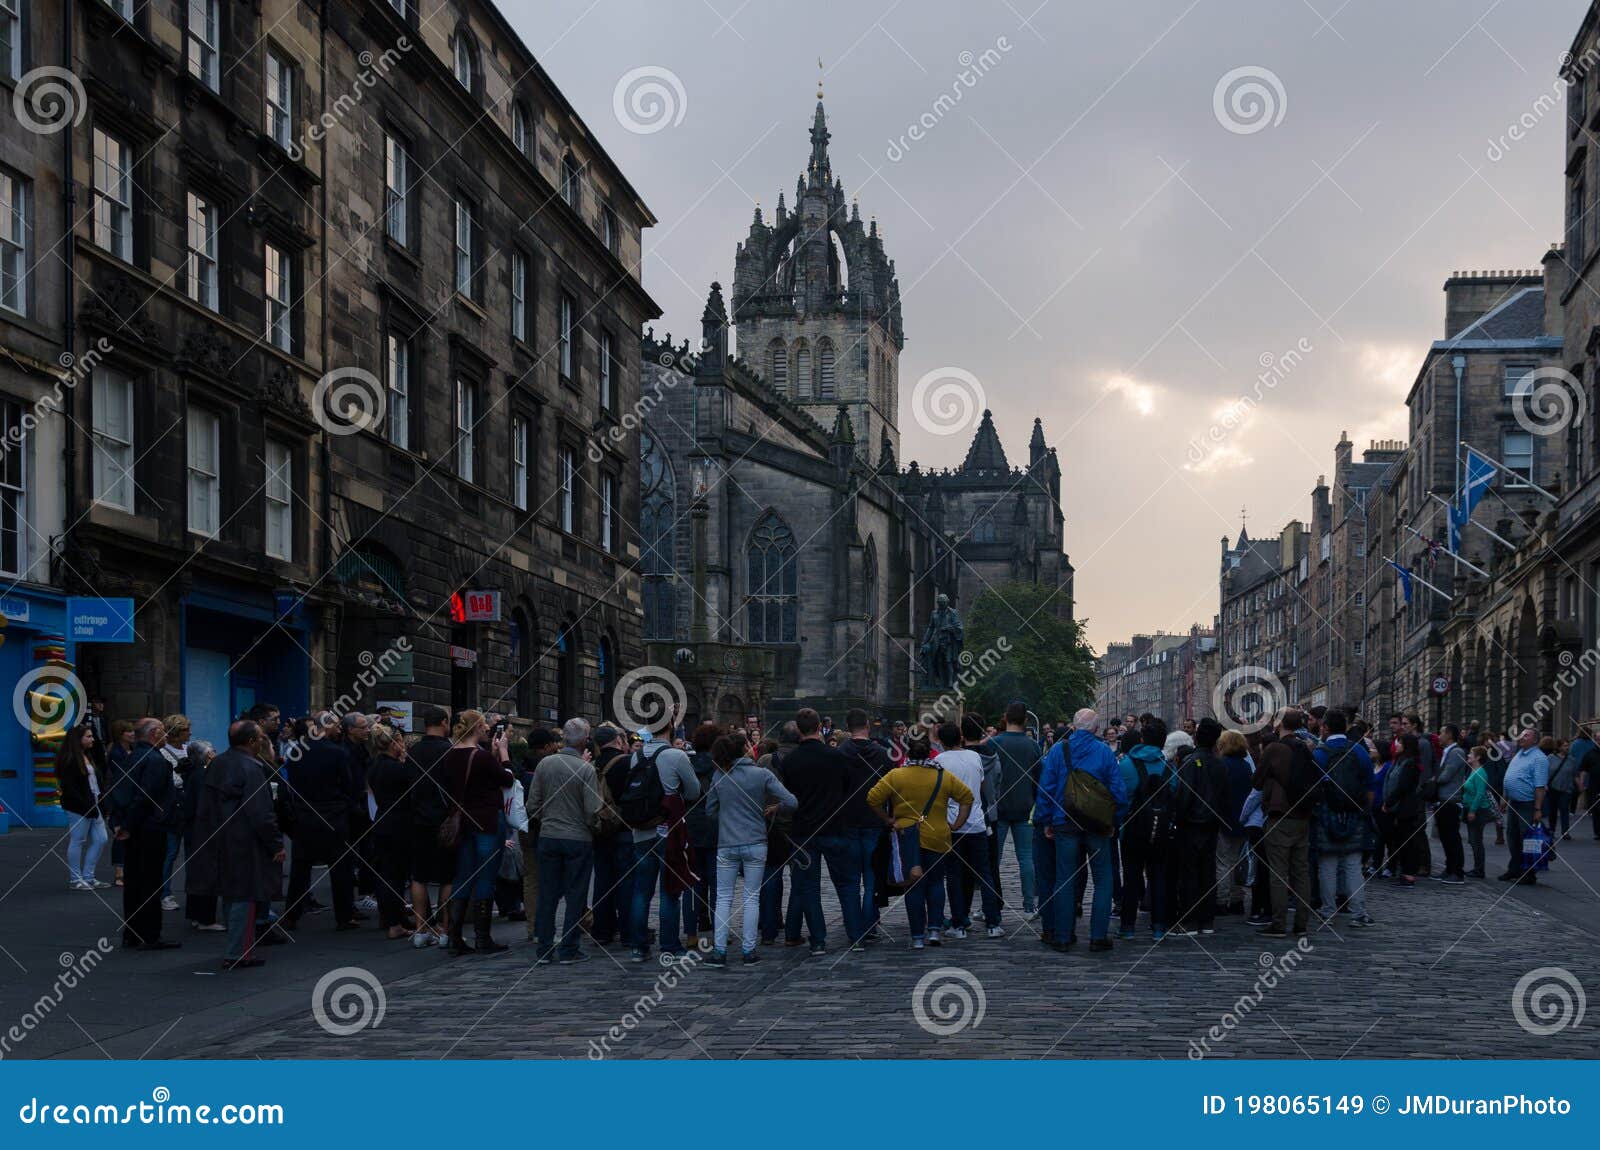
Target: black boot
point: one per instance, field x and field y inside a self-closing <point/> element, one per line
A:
<point x="456" y="912"/>
<point x="482" y="915"/>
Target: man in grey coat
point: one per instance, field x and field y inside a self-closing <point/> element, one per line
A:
<point x="238" y="853"/>
<point x="565" y="797"/>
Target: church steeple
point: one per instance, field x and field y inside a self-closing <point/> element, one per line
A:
<point x="820" y="170"/>
<point x="986" y="454"/>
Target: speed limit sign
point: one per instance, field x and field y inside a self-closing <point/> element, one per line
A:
<point x="1441" y="684"/>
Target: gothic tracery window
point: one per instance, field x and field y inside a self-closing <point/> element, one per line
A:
<point x="657" y="517"/>
<point x="772" y="585"/>
<point x="825" y="369"/>
<point x="778" y="367"/>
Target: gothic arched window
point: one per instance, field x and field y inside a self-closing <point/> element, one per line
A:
<point x="825" y="369"/>
<point x="607" y="655"/>
<point x="657" y="517"/>
<point x="778" y="367"/>
<point x="522" y="641"/>
<point x="802" y="370"/>
<point x="982" y="527"/>
<point x="772" y="583"/>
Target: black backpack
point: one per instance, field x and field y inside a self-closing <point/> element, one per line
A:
<point x="1304" y="778"/>
<point x="1150" y="813"/>
<point x="1346" y="786"/>
<point x="639" y="804"/>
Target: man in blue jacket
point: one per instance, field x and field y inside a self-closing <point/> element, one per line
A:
<point x="1082" y="750"/>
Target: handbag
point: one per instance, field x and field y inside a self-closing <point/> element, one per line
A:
<point x="450" y="829"/>
<point x="1088" y="802"/>
<point x="905" y="843"/>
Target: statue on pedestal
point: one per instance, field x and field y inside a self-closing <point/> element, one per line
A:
<point x="941" y="645"/>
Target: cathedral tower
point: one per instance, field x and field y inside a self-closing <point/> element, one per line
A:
<point x="817" y="307"/>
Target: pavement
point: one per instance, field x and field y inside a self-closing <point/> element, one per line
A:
<point x="1436" y="978"/>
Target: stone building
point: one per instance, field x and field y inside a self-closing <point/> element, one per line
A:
<point x="276" y="223"/>
<point x="1259" y="622"/>
<point x="788" y="455"/>
<point x="1355" y="571"/>
<point x="1169" y="676"/>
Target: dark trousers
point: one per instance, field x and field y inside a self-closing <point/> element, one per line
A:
<point x="1406" y="835"/>
<point x="1558" y="812"/>
<point x="325" y="846"/>
<point x="1044" y="883"/>
<point x="966" y="870"/>
<point x="362" y="852"/>
<point x="1198" y="878"/>
<point x="392" y="854"/>
<point x="1144" y="880"/>
<point x="564" y="867"/>
<point x="1519" y="821"/>
<point x="613" y="887"/>
<point x="924" y="899"/>
<point x="145" y="855"/>
<point x="1261" y="883"/>
<point x="201" y="908"/>
<point x="1447" y="822"/>
<point x="705" y="891"/>
<point x="772" y="899"/>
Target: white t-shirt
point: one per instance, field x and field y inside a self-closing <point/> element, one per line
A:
<point x="968" y="767"/>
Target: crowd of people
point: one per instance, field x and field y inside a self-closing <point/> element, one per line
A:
<point x="579" y="832"/>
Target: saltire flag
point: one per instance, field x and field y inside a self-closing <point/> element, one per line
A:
<point x="1479" y="474"/>
<point x="1405" y="579"/>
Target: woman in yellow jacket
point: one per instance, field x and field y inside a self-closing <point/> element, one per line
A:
<point x="914" y="801"/>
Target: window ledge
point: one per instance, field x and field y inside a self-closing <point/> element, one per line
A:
<point x="473" y="307"/>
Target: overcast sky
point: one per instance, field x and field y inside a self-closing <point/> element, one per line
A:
<point x="1101" y="236"/>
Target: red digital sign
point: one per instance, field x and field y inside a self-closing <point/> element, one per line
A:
<point x="475" y="607"/>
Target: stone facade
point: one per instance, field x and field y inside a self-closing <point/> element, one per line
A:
<point x="1169" y="676"/>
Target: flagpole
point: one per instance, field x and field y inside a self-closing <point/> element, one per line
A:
<point x="1470" y="567"/>
<point x="1521" y="482"/>
<point x="1479" y="526"/>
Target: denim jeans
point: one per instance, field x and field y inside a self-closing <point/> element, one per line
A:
<point x="749" y="860"/>
<point x="924" y="898"/>
<point x="1071" y="847"/>
<point x="86" y="838"/>
<point x="240" y="917"/>
<point x="564" y="866"/>
<point x="649" y="874"/>
<point x="1044" y="876"/>
<point x="1021" y="834"/>
<point x="860" y="844"/>
<point x="477" y="864"/>
<point x="1338" y="872"/>
<point x="969" y="861"/>
<point x="1144" y="881"/>
<point x="844" y="871"/>
<point x="805" y="899"/>
<point x="1230" y="890"/>
<point x="613" y="887"/>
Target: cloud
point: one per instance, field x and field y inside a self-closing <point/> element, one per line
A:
<point x="1139" y="397"/>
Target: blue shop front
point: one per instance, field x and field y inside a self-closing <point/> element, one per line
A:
<point x="242" y="646"/>
<point x="38" y="661"/>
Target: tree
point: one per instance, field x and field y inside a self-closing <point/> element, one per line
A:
<point x="1018" y="647"/>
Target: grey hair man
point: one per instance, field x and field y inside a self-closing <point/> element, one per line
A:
<point x="565" y="797"/>
<point x="1086" y="720"/>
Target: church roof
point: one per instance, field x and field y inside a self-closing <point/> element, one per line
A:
<point x="986" y="454"/>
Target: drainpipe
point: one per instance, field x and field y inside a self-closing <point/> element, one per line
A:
<point x="69" y="213"/>
<point x="1460" y="364"/>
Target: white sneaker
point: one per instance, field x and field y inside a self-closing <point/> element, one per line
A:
<point x="422" y="940"/>
<point x="933" y="938"/>
<point x="79" y="884"/>
<point x="958" y="932"/>
<point x="169" y="903"/>
<point x="996" y="932"/>
<point x="209" y="927"/>
<point x="366" y="902"/>
<point x="98" y="884"/>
